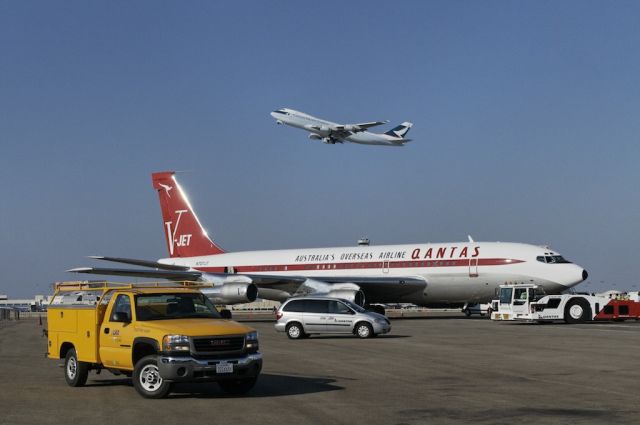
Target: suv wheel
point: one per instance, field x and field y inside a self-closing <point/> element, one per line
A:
<point x="75" y="372"/>
<point x="295" y="331"/>
<point x="364" y="330"/>
<point x="147" y="380"/>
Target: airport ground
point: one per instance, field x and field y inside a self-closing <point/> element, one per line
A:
<point x="441" y="369"/>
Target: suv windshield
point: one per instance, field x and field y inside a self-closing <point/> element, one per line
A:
<point x="174" y="306"/>
<point x="354" y="306"/>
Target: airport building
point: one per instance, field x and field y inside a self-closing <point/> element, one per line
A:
<point x="38" y="303"/>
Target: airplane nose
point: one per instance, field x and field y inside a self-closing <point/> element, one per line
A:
<point x="585" y="275"/>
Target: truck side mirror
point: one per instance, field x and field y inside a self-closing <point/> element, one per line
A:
<point x="225" y="314"/>
<point x="120" y="316"/>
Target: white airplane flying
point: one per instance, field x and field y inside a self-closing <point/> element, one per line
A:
<point x="332" y="133"/>
<point x="421" y="273"/>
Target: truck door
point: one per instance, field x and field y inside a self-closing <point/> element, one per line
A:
<point x="520" y="301"/>
<point x="116" y="334"/>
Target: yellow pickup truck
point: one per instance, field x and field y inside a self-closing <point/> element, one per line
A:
<point x="156" y="333"/>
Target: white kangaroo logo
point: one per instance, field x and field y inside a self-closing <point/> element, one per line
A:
<point x="167" y="188"/>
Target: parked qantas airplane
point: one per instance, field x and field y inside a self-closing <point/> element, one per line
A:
<point x="422" y="273"/>
<point x="332" y="133"/>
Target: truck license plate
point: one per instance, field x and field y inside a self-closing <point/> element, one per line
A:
<point x="224" y="367"/>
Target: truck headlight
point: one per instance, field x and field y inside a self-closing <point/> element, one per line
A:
<point x="251" y="341"/>
<point x="175" y="343"/>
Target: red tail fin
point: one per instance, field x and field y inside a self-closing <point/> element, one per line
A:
<point x="184" y="233"/>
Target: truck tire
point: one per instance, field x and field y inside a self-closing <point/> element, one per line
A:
<point x="75" y="371"/>
<point x="238" y="386"/>
<point x="147" y="380"/>
<point x="577" y="310"/>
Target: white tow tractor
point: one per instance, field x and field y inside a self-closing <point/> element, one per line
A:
<point x="529" y="302"/>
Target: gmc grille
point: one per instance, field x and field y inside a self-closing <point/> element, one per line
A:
<point x="218" y="344"/>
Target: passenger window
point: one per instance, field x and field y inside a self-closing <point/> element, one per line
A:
<point x="317" y="306"/>
<point x="608" y="309"/>
<point x="336" y="307"/>
<point x="623" y="310"/>
<point x="296" y="306"/>
<point x="122" y="305"/>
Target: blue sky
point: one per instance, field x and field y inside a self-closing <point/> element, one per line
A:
<point x="526" y="127"/>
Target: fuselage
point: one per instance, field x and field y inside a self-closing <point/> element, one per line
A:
<point x="321" y="128"/>
<point x="453" y="272"/>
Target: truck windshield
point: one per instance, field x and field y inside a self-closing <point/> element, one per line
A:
<point x="505" y="295"/>
<point x="174" y="306"/>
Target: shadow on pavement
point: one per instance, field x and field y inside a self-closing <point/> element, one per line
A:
<point x="268" y="385"/>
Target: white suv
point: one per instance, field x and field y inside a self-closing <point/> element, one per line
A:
<point x="300" y="317"/>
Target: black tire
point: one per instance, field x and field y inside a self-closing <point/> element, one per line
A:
<point x="75" y="372"/>
<point x="577" y="310"/>
<point x="363" y="330"/>
<point x="467" y="312"/>
<point x="147" y="380"/>
<point x="238" y="386"/>
<point x="489" y="311"/>
<point x="295" y="331"/>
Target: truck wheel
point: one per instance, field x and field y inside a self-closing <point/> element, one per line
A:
<point x="295" y="331"/>
<point x="75" y="372"/>
<point x="238" y="386"/>
<point x="147" y="380"/>
<point x="577" y="310"/>
<point x="364" y="330"/>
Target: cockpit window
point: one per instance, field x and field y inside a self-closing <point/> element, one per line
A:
<point x="552" y="259"/>
<point x="281" y="112"/>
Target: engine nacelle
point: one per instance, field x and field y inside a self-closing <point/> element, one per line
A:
<point x="314" y="136"/>
<point x="232" y="293"/>
<point x="355" y="296"/>
<point x="279" y="122"/>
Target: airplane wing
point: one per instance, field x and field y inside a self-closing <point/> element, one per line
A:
<point x="354" y="128"/>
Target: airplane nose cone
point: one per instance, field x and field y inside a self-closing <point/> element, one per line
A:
<point x="585" y="275"/>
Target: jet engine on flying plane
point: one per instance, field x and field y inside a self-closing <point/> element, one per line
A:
<point x="314" y="136"/>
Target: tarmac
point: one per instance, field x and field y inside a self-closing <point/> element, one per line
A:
<point x="441" y="369"/>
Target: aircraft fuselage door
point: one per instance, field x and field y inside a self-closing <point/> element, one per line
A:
<point x="473" y="267"/>
<point x="385" y="266"/>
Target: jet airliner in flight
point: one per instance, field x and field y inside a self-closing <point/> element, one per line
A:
<point x="332" y="133"/>
<point x="422" y="273"/>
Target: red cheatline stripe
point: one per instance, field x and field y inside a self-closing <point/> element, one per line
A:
<point x="465" y="262"/>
